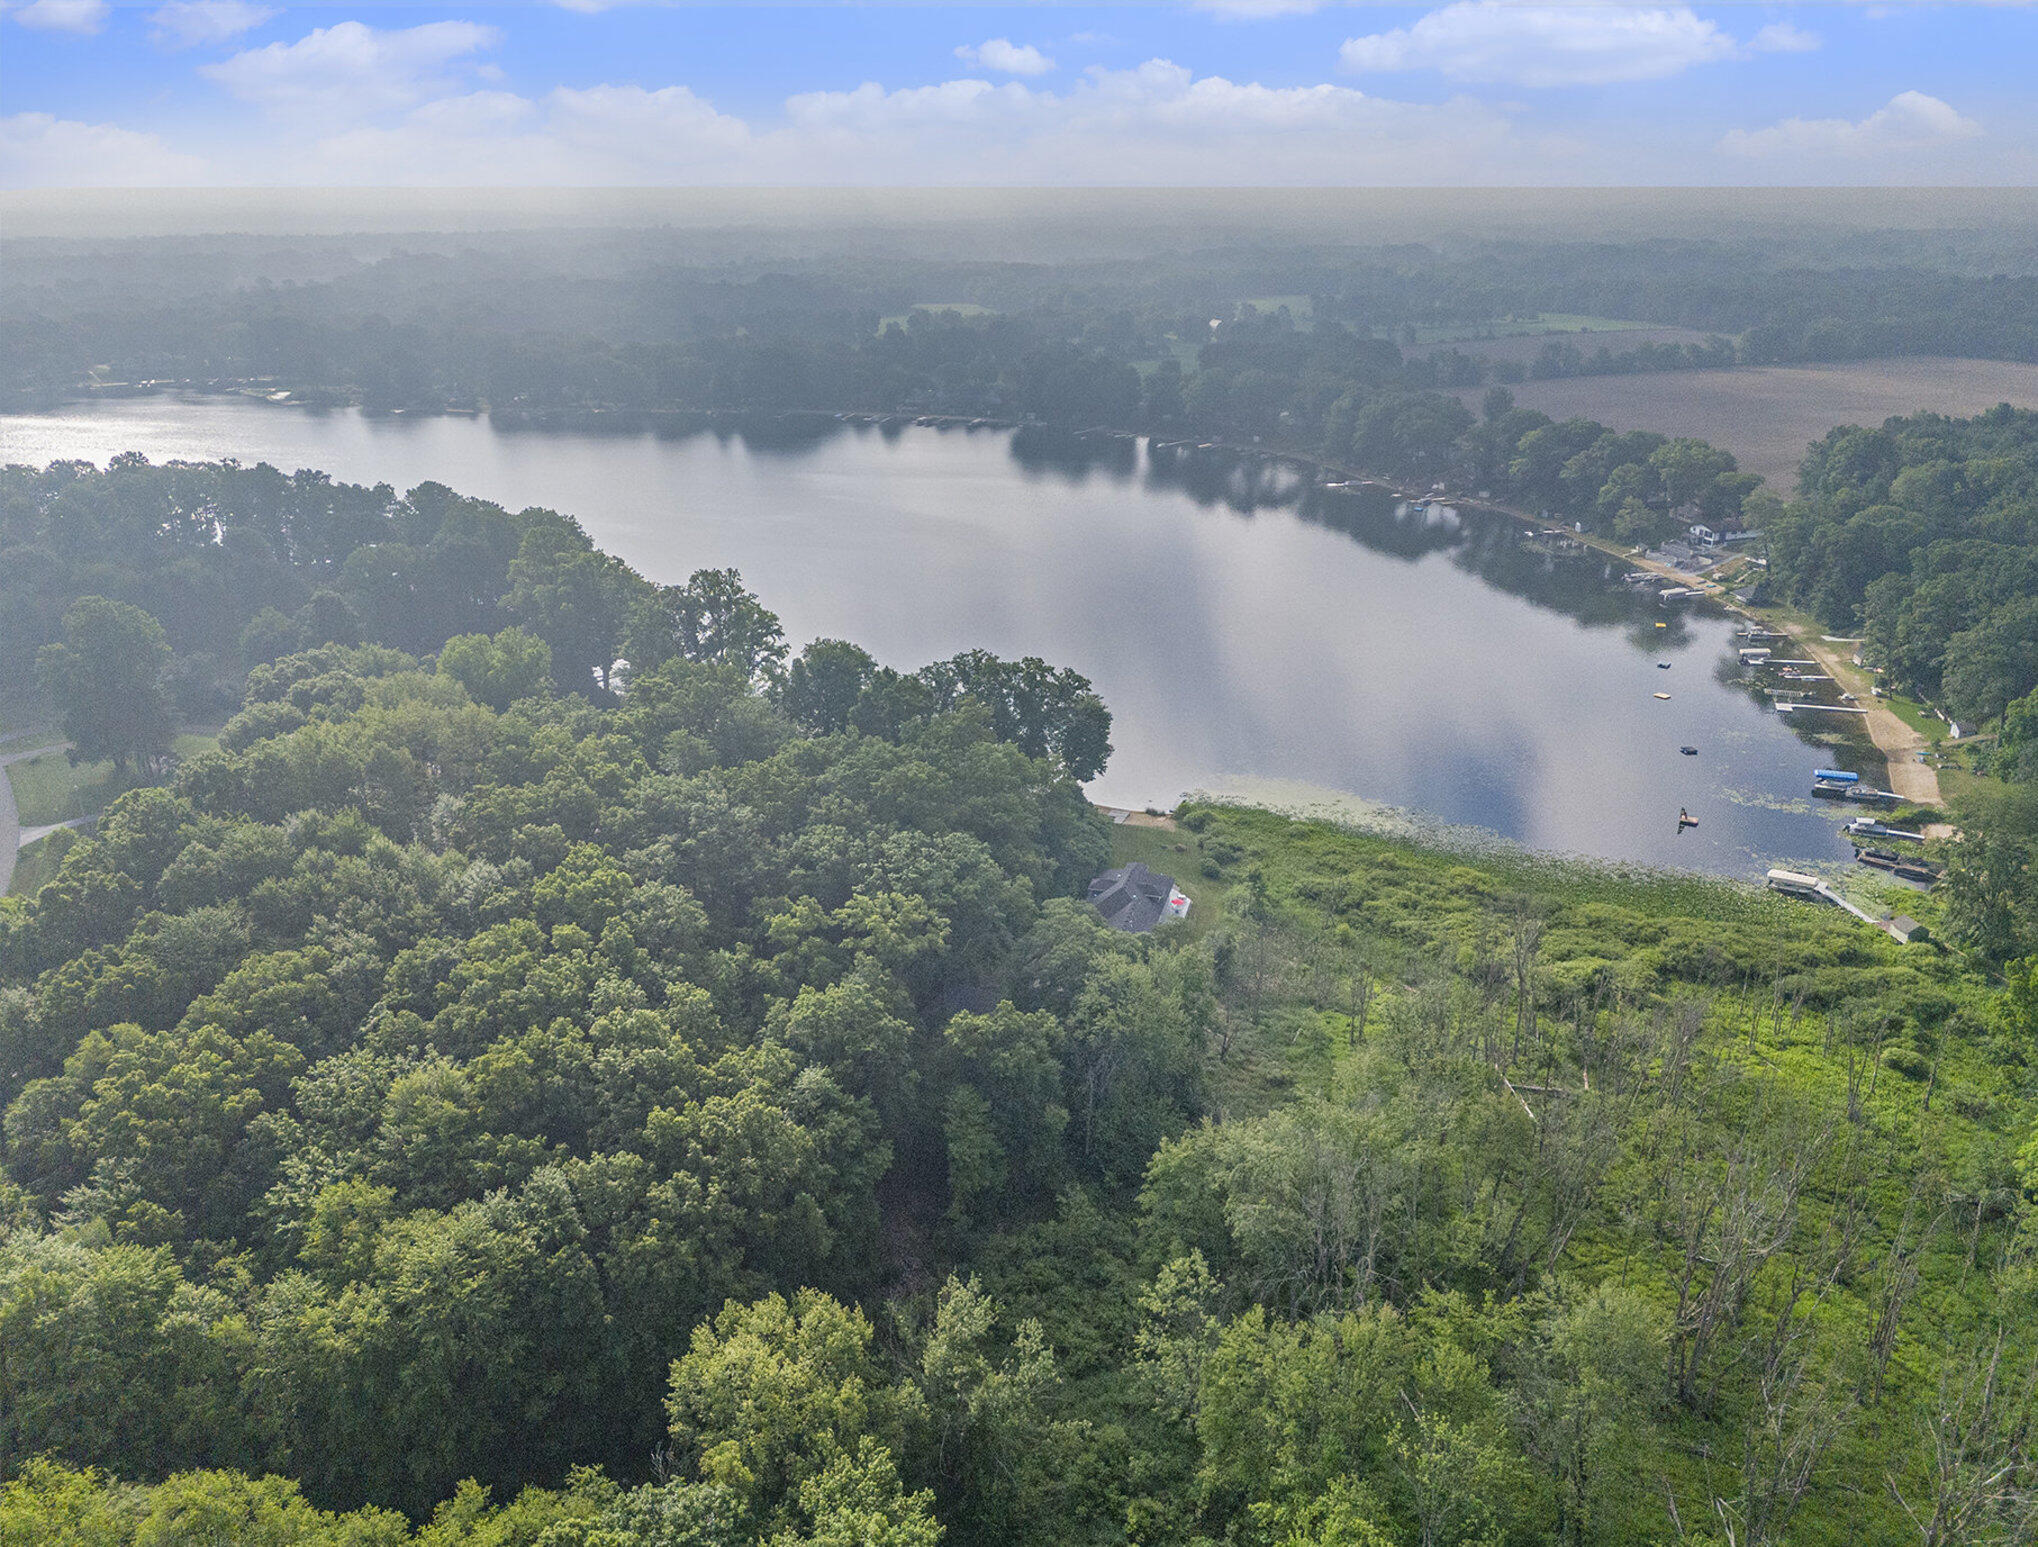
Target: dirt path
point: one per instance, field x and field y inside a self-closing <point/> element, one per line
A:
<point x="10" y="819"/>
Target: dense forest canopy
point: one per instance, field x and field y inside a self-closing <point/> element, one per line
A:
<point x="1924" y="533"/>
<point x="500" y="1096"/>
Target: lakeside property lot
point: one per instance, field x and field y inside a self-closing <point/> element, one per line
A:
<point x="1767" y="415"/>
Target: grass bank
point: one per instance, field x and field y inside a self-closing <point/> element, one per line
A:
<point x="50" y="788"/>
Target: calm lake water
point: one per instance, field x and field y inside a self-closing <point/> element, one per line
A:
<point x="1252" y="633"/>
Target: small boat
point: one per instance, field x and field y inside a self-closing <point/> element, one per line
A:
<point x="1662" y="666"/>
<point x="1662" y="695"/>
<point x="1685" y="819"/>
<point x="1689" y="751"/>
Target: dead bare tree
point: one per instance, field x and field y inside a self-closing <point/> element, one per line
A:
<point x="1729" y="1229"/>
<point x="1896" y="1282"/>
<point x="1797" y="1411"/>
<point x="1359" y="1000"/>
<point x="1982" y="1488"/>
<point x="1683" y="1021"/>
<point x="1526" y="936"/>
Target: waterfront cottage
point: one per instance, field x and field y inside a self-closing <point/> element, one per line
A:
<point x="1135" y="898"/>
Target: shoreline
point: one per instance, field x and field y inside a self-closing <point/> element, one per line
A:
<point x="1917" y="782"/>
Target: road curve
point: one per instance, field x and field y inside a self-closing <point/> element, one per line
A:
<point x="10" y="819"/>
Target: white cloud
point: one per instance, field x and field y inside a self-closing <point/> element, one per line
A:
<point x="1005" y="57"/>
<point x="1258" y="10"/>
<point x="187" y="23"/>
<point x="350" y="71"/>
<point x="1156" y="124"/>
<point x="602" y="135"/>
<point x="1781" y="37"/>
<point x="41" y="151"/>
<point x="1910" y="121"/>
<point x="79" y="16"/>
<point x="1545" y="45"/>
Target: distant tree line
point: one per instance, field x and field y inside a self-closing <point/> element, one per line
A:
<point x="556" y="327"/>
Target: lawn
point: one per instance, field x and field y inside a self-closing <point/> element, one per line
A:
<point x="1172" y="853"/>
<point x="36" y="865"/>
<point x="1916" y="716"/>
<point x="1525" y="327"/>
<point x="50" y="789"/>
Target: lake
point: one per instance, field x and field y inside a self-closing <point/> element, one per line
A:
<point x="1253" y="633"/>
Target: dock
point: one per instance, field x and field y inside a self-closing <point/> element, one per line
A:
<point x="1920" y="871"/>
<point x="1795" y="884"/>
<point x="1784" y="708"/>
<point x="1830" y="789"/>
<point x="1868" y="827"/>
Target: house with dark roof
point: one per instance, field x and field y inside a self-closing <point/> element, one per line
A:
<point x="1135" y="898"/>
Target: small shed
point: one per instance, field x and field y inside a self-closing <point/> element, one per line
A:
<point x="1908" y="930"/>
<point x="1135" y="898"/>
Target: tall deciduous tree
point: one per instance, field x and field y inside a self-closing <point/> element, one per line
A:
<point x="711" y="620"/>
<point x="498" y="671"/>
<point x="107" y="675"/>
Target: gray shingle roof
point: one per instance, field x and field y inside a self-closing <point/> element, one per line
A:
<point x="1134" y="898"/>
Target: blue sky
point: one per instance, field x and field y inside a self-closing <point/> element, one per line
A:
<point x="240" y="92"/>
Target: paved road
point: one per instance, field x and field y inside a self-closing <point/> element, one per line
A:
<point x="10" y="820"/>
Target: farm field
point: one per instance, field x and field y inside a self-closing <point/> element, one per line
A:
<point x="1510" y="342"/>
<point x="1767" y="415"/>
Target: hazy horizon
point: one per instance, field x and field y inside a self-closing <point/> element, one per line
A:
<point x="1033" y="222"/>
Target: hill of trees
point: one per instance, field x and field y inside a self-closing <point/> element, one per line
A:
<point x="497" y="1098"/>
<point x="1923" y="532"/>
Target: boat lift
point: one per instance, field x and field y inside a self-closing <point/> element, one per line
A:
<point x="1868" y="827"/>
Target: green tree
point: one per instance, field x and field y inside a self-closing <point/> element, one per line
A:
<point x="823" y="684"/>
<point x="857" y="1500"/>
<point x="499" y="670"/>
<point x="1583" y="1400"/>
<point x="107" y="677"/>
<point x="1001" y="1454"/>
<point x="574" y="597"/>
<point x="1991" y="901"/>
<point x="1687" y="468"/>
<point x="771" y="1396"/>
<point x="711" y="620"/>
